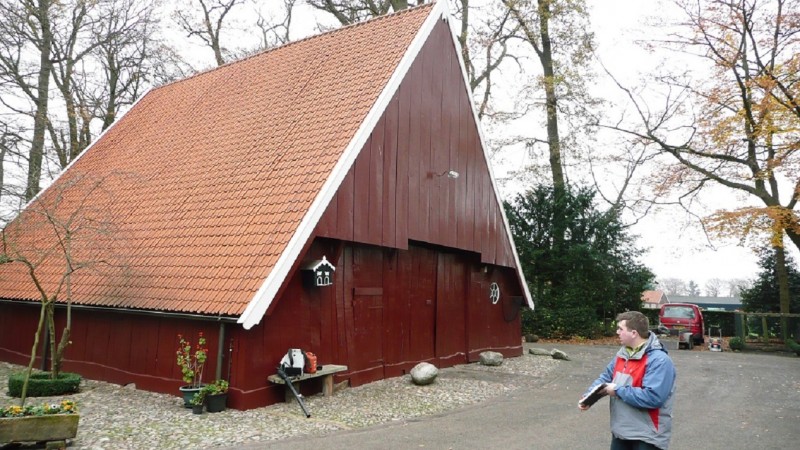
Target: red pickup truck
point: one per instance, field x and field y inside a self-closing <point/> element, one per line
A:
<point x="683" y="317"/>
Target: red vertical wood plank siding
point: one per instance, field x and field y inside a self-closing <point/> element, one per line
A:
<point x="398" y="311"/>
<point x="80" y="333"/>
<point x="389" y="209"/>
<point x="491" y="223"/>
<point x="341" y="281"/>
<point x="424" y="163"/>
<point x="327" y="223"/>
<point x="450" y="310"/>
<point x="361" y="188"/>
<point x="122" y="340"/>
<point x="346" y="305"/>
<point x="422" y="303"/>
<point x="16" y="347"/>
<point x="450" y="111"/>
<point x="98" y="350"/>
<point x="437" y="193"/>
<point x="392" y="328"/>
<point x="345" y="223"/>
<point x="376" y="185"/>
<point x="413" y="84"/>
<point x="466" y="222"/>
<point x="403" y="188"/>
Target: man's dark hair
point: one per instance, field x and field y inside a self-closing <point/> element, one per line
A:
<point x="635" y="321"/>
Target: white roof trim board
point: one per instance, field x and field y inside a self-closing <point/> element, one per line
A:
<point x="261" y="301"/>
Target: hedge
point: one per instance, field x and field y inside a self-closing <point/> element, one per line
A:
<point x="41" y="385"/>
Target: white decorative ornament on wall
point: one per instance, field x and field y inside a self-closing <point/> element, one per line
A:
<point x="494" y="293"/>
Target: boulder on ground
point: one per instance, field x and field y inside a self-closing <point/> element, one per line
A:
<point x="491" y="358"/>
<point x="424" y="373"/>
<point x="558" y="354"/>
<point x="539" y="352"/>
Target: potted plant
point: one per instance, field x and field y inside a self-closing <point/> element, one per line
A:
<point x="191" y="363"/>
<point x="48" y="422"/>
<point x="216" y="395"/>
<point x="197" y="401"/>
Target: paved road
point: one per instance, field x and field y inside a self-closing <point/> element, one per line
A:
<point x="724" y="401"/>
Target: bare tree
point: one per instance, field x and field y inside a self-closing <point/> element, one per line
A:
<point x="735" y="123"/>
<point x="736" y="286"/>
<point x="275" y="31"/>
<point x="56" y="236"/>
<point x="207" y="23"/>
<point x="26" y="29"/>
<point x="71" y="44"/>
<point x="693" y="289"/>
<point x="348" y="12"/>
<point x="98" y="55"/>
<point x="714" y="287"/>
<point x="672" y="286"/>
<point x="11" y="143"/>
<point x="484" y="38"/>
<point x="129" y="56"/>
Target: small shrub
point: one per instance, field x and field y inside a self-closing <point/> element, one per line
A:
<point x="40" y="384"/>
<point x="793" y="346"/>
<point x="736" y="343"/>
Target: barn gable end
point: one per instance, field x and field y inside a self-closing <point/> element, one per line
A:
<point x="422" y="174"/>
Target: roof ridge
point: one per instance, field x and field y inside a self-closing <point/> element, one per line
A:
<point x="307" y="38"/>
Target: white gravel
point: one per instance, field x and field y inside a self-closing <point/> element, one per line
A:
<point x="115" y="417"/>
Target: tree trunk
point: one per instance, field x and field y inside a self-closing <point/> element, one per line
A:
<point x="55" y="364"/>
<point x="783" y="287"/>
<point x="42" y="92"/>
<point x="546" y="59"/>
<point x="29" y="369"/>
<point x="553" y="138"/>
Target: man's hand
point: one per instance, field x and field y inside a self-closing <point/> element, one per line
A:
<point x="611" y="390"/>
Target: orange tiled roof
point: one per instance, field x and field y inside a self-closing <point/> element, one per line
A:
<point x="188" y="201"/>
<point x="652" y="296"/>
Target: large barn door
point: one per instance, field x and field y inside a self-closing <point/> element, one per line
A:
<point x="451" y="287"/>
<point x="368" y="325"/>
<point x="478" y="329"/>
<point x="365" y="327"/>
<point x="422" y="304"/>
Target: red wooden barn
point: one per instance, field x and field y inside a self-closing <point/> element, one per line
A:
<point x="209" y="203"/>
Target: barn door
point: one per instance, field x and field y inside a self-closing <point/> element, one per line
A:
<point x="368" y="326"/>
<point x="364" y="327"/>
<point x="451" y="299"/>
<point x="422" y="304"/>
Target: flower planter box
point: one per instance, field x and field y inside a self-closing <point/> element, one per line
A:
<point x="56" y="427"/>
<point x="216" y="402"/>
<point x="188" y="392"/>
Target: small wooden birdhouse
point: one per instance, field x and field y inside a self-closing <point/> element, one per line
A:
<point x="318" y="273"/>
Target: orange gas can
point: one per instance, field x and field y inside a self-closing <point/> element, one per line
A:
<point x="311" y="363"/>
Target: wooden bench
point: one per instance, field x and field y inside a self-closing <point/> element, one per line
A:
<point x="326" y="372"/>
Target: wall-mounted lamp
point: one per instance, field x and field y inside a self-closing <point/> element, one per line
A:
<point x="452" y="174"/>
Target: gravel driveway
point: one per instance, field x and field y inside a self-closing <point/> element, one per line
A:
<point x="116" y="417"/>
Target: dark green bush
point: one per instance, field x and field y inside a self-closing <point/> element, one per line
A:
<point x="40" y="384"/>
<point x="736" y="343"/>
<point x="793" y="346"/>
